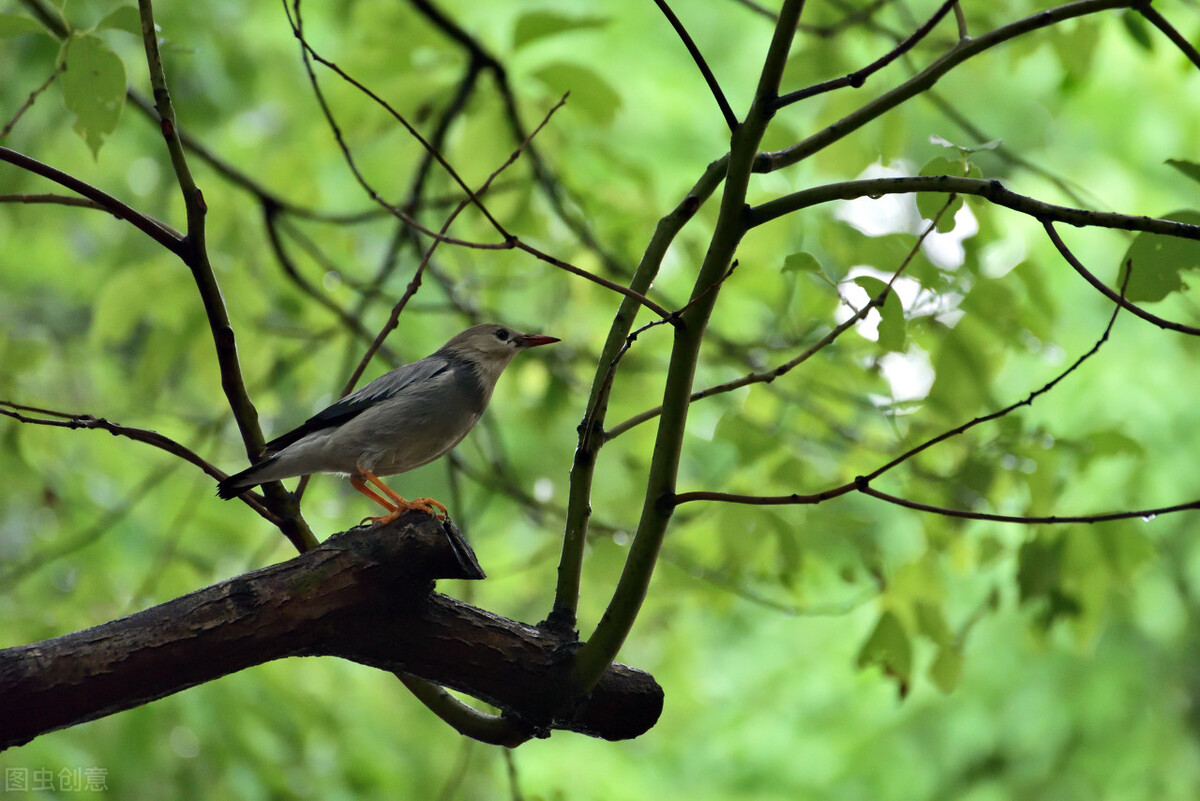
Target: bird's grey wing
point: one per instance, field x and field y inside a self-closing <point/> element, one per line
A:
<point x="386" y="386"/>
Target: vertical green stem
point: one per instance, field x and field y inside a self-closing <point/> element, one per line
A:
<point x="591" y="430"/>
<point x="600" y="650"/>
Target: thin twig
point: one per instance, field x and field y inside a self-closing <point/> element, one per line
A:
<point x="1159" y="21"/>
<point x="855" y="15"/>
<point x="394" y="317"/>
<point x="862" y="483"/>
<point x="160" y="232"/>
<point x="758" y="9"/>
<point x="298" y="30"/>
<point x="16" y="117"/>
<point x="1118" y="299"/>
<point x="348" y="321"/>
<point x="960" y="17"/>
<point x="857" y="78"/>
<point x="768" y="376"/>
<point x="702" y="65"/>
<point x="153" y="438"/>
<point x="510" y="240"/>
<point x="1027" y="401"/>
<point x="1143" y="514"/>
<point x="49" y="198"/>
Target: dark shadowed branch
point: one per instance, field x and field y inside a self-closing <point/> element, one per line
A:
<point x="364" y="595"/>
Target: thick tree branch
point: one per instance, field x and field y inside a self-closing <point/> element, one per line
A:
<point x="364" y="595"/>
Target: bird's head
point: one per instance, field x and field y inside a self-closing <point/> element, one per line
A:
<point x="491" y="346"/>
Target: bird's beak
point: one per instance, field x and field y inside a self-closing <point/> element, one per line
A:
<point x="533" y="340"/>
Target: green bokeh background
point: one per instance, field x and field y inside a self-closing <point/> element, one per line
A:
<point x="1035" y="662"/>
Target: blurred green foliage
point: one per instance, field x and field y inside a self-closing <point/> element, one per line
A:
<point x="1033" y="661"/>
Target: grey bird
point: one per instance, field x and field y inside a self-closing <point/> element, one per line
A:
<point x="403" y="419"/>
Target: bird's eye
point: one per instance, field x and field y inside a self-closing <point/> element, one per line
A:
<point x="502" y="334"/>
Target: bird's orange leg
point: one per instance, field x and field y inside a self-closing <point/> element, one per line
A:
<point x="426" y="505"/>
<point x="362" y="487"/>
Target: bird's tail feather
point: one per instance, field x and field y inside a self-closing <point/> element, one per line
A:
<point x="238" y="483"/>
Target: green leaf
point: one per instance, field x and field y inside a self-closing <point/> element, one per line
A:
<point x="751" y="441"/>
<point x="1075" y="49"/>
<point x="889" y="648"/>
<point x="963" y="370"/>
<point x="1189" y="168"/>
<point x="125" y="18"/>
<point x="991" y="144"/>
<point x="1039" y="568"/>
<point x="16" y="24"/>
<point x="930" y="203"/>
<point x="541" y="24"/>
<point x="932" y="623"/>
<point x="1135" y="26"/>
<point x="946" y="669"/>
<point x="1158" y="261"/>
<point x="802" y="263"/>
<point x="1112" y="442"/>
<point x="93" y="88"/>
<point x="590" y="94"/>
<point x="893" y="328"/>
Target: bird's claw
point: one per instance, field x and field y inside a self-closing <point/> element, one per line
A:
<point x="426" y="505"/>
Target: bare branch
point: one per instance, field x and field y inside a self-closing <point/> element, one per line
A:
<point x="857" y="78"/>
<point x="702" y="65"/>
<point x="1029" y="520"/>
<point x="1027" y="401"/>
<point x="348" y="321"/>
<point x="510" y="240"/>
<point x="193" y="251"/>
<point x="731" y="225"/>
<point x="927" y="78"/>
<point x="768" y="376"/>
<point x="1118" y="299"/>
<point x="49" y="198"/>
<point x="160" y="232"/>
<point x="28" y="104"/>
<point x="1159" y="21"/>
<point x="989" y="189"/>
<point x="862" y="483"/>
<point x="414" y="285"/>
<point x="308" y="51"/>
<point x="591" y="429"/>
<point x="153" y="438"/>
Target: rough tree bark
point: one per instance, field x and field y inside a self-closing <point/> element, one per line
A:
<point x="364" y="595"/>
